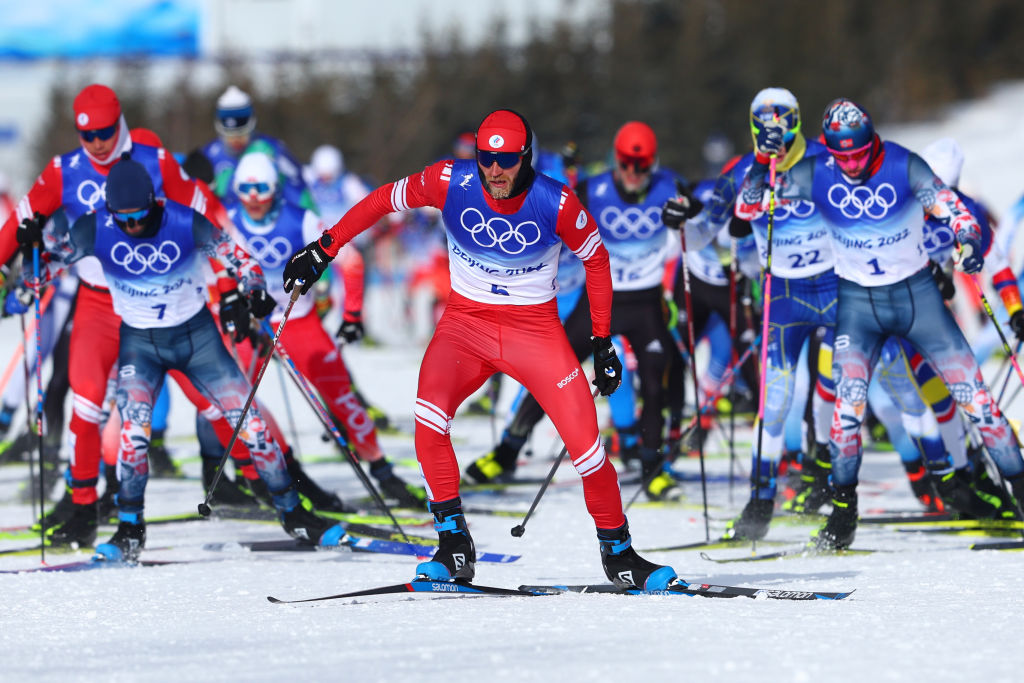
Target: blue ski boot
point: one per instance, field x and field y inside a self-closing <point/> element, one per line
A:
<point x="625" y="568"/>
<point x="456" y="555"/>
<point x="127" y="542"/>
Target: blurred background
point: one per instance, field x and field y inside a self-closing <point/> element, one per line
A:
<point x="392" y="82"/>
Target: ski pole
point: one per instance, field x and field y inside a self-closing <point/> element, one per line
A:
<point x="765" y="317"/>
<point x="37" y="287"/>
<point x="519" y="529"/>
<point x="204" y="507"/>
<point x="691" y="343"/>
<point x="328" y="424"/>
<point x="1002" y="337"/>
<point x="1009" y="372"/>
<point x="733" y="267"/>
<point x="28" y="424"/>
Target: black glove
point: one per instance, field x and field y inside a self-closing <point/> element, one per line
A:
<point x="351" y="329"/>
<point x="234" y="315"/>
<point x="307" y="265"/>
<point x="606" y="366"/>
<point x="1017" y="325"/>
<point x="944" y="282"/>
<point x="678" y="209"/>
<point x="770" y="138"/>
<point x="739" y="228"/>
<point x="261" y="304"/>
<point x="30" y="233"/>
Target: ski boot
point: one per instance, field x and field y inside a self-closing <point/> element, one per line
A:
<point x="106" y="507"/>
<point x="456" y="554"/>
<point x="80" y="530"/>
<point x="693" y="443"/>
<point x="954" y="487"/>
<point x="1017" y="487"/>
<point x="500" y="464"/>
<point x="992" y="491"/>
<point x="841" y="526"/>
<point x="309" y="489"/>
<point x="227" y="492"/>
<point x="60" y="513"/>
<point x="753" y="522"/>
<point x="625" y="568"/>
<point x="311" y="529"/>
<point x="791" y="466"/>
<point x="814" y="480"/>
<point x="658" y="484"/>
<point x="922" y="486"/>
<point x="127" y="542"/>
<point x="392" y="486"/>
<point x="160" y="464"/>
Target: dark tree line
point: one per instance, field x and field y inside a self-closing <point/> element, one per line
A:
<point x="687" y="67"/>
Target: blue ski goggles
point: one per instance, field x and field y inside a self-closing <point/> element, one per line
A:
<point x="503" y="159"/>
<point x="101" y="133"/>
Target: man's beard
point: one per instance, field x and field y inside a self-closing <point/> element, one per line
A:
<point x="502" y="193"/>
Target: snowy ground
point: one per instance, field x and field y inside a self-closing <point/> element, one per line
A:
<point x="931" y="609"/>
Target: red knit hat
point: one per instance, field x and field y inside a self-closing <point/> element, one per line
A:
<point x="502" y="131"/>
<point x="96" y="107"/>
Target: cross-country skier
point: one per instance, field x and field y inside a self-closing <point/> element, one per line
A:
<point x="505" y="225"/>
<point x="153" y="254"/>
<point x="871" y="194"/>
<point x="274" y="229"/>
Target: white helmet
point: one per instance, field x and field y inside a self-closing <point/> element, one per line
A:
<point x="327" y="161"/>
<point x="255" y="177"/>
<point x="946" y="159"/>
<point x="234" y="113"/>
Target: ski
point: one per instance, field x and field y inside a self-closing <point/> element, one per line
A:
<point x="452" y="588"/>
<point x="90" y="564"/>
<point x="714" y="544"/>
<point x="998" y="545"/>
<point x="963" y="530"/>
<point x="802" y="551"/>
<point x="357" y="544"/>
<point x="694" y="589"/>
<point x="908" y="518"/>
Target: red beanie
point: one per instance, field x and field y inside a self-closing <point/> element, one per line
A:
<point x="502" y="131"/>
<point x="96" y="107"/>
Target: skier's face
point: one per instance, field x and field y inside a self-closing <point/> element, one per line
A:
<point x="853" y="163"/>
<point x="500" y="180"/>
<point x="132" y="221"/>
<point x="236" y="144"/>
<point x="633" y="173"/>
<point x="100" y="143"/>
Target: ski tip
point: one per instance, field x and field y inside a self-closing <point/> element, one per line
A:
<point x="272" y="599"/>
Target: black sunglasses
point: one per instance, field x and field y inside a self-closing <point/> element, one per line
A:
<point x="503" y="159"/>
<point x="101" y="133"/>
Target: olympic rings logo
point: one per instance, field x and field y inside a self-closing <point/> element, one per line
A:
<point x="633" y="221"/>
<point x="800" y="208"/>
<point x="270" y="253"/>
<point x="136" y="259"/>
<point x="499" y="232"/>
<point x="937" y="237"/>
<point x="862" y="200"/>
<point x="97" y="193"/>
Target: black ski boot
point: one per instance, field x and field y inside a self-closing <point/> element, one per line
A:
<point x="922" y="486"/>
<point x="499" y="465"/>
<point x="312" y="529"/>
<point x="227" y="491"/>
<point x="107" y="504"/>
<point x="659" y="485"/>
<point x="625" y="568"/>
<point x="1017" y="487"/>
<point x="160" y="464"/>
<point x="456" y="554"/>
<point x="993" y="492"/>
<point x="304" y="484"/>
<point x="60" y="513"/>
<point x="127" y="542"/>
<point x="841" y="526"/>
<point x="394" y="487"/>
<point x="955" y="489"/>
<point x="814" y="476"/>
<point x="80" y="530"/>
<point x="753" y="522"/>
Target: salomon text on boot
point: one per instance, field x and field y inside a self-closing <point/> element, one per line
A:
<point x="456" y="554"/>
<point x="625" y="568"/>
